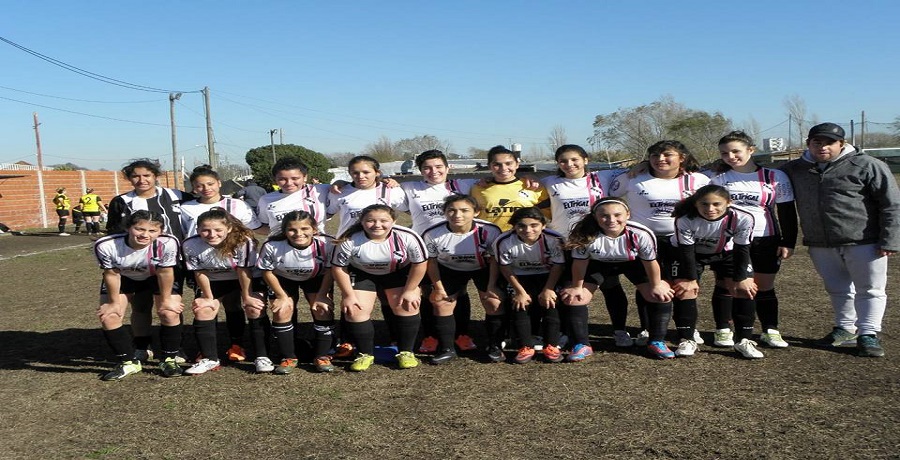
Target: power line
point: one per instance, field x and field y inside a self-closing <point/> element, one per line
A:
<point x="92" y="75"/>
<point x="79" y="100"/>
<point x="96" y="116"/>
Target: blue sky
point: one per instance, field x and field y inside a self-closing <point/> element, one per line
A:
<point x="335" y="76"/>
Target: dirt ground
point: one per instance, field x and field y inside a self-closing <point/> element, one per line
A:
<point x="799" y="402"/>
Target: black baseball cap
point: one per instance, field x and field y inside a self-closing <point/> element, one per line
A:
<point x="829" y="130"/>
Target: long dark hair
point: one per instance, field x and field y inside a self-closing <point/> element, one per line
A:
<point x="358" y="227"/>
<point x="571" y="148"/>
<point x="720" y="166"/>
<point x="688" y="206"/>
<point x="527" y="213"/>
<point x="689" y="164"/>
<point x="150" y="216"/>
<point x="294" y="216"/>
<point x="146" y="163"/>
<point x="587" y="229"/>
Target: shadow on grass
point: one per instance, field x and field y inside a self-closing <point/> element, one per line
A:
<point x="67" y="350"/>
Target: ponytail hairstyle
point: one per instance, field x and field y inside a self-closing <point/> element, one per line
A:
<point x="294" y="216"/>
<point x="527" y="213"/>
<point x="149" y="216"/>
<point x="688" y="206"/>
<point x="289" y="164"/>
<point x="587" y="229"/>
<point x="720" y="166"/>
<point x="453" y="198"/>
<point x="358" y="227"/>
<point x="238" y="234"/>
<point x="365" y="159"/>
<point x="571" y="148"/>
<point x="204" y="170"/>
<point x="146" y="163"/>
<point x="689" y="164"/>
<point x="499" y="149"/>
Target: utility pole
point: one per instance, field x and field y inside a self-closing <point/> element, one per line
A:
<point x="272" y="143"/>
<point x="172" y="98"/>
<point x="280" y="136"/>
<point x="790" y="123"/>
<point x="40" y="171"/>
<point x="209" y="131"/>
<point x="862" y="131"/>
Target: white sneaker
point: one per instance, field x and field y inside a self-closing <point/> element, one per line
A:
<point x="64" y="234"/>
<point x="143" y="355"/>
<point x="623" y="340"/>
<point x="723" y="338"/>
<point x="538" y="343"/>
<point x="203" y="366"/>
<point x="181" y="358"/>
<point x="697" y="338"/>
<point x="642" y="339"/>
<point x="747" y="349"/>
<point x="772" y="338"/>
<point x="263" y="364"/>
<point x="686" y="347"/>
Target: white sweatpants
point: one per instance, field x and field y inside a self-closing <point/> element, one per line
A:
<point x="855" y="278"/>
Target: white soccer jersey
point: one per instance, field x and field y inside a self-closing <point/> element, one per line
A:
<point x="312" y="198"/>
<point x="652" y="200"/>
<point x="636" y="242"/>
<point x="571" y="199"/>
<point x="348" y="205"/>
<point x="426" y="201"/>
<point x="525" y="259"/>
<point x="463" y="252"/>
<point x="714" y="236"/>
<point x="758" y="192"/>
<point x="191" y="210"/>
<point x="200" y="256"/>
<point x="295" y="264"/>
<point x="401" y="248"/>
<point x="113" y="252"/>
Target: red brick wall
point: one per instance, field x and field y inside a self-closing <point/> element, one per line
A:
<point x="20" y="197"/>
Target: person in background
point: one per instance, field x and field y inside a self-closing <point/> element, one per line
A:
<point x="849" y="208"/>
<point x="92" y="206"/>
<point x="63" y="206"/>
<point x="251" y="193"/>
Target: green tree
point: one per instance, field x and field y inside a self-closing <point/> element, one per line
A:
<point x="260" y="161"/>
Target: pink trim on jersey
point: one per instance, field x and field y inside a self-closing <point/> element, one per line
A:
<point x="767" y="200"/>
<point x="478" y="237"/>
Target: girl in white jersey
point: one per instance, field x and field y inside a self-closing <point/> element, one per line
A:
<point x="531" y="260"/>
<point x="206" y="185"/>
<point x="366" y="189"/>
<point x="573" y="191"/>
<point x="710" y="231"/>
<point x="374" y="257"/>
<point x="768" y="195"/>
<point x="652" y="189"/>
<point x="137" y="262"/>
<point x="222" y="257"/>
<point x="294" y="194"/>
<point x="295" y="262"/>
<point x="606" y="244"/>
<point x="458" y="251"/>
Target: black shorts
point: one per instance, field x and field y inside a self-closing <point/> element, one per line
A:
<point x="455" y="281"/>
<point x="77" y="216"/>
<point x="62" y="212"/>
<point x="722" y="264"/>
<point x="294" y="288"/>
<point x="151" y="284"/>
<point x="91" y="213"/>
<point x="764" y="254"/>
<point x="666" y="255"/>
<point x="364" y="281"/>
<point x="221" y="288"/>
<point x="599" y="272"/>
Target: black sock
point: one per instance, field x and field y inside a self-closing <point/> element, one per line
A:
<point x="660" y="314"/>
<point x="522" y="326"/>
<point x="170" y="340"/>
<point x="685" y="313"/>
<point x="61" y="226"/>
<point x="363" y="335"/>
<point x="324" y="336"/>
<point x="551" y="326"/>
<point x="494" y="325"/>
<point x="744" y="317"/>
<point x="767" y="309"/>
<point x="446" y="331"/>
<point x="142" y="342"/>
<point x="259" y="329"/>
<point x="426" y="311"/>
<point x="722" y="307"/>
<point x="616" y="306"/>
<point x="236" y="321"/>
<point x="643" y="317"/>
<point x="407" y="330"/>
<point x="388" y="316"/>
<point x="205" y="332"/>
<point x="462" y="313"/>
<point x="120" y="343"/>
<point x="284" y="336"/>
<point x="578" y="322"/>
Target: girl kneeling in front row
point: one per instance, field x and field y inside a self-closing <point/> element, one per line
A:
<point x="709" y="231"/>
<point x="606" y="244"/>
<point x="222" y="257"/>
<point x="375" y="257"/>
<point x="140" y="261"/>
<point x="293" y="261"/>
<point x="531" y="259"/>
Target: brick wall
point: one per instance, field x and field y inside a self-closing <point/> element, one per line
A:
<point x="21" y="197"/>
